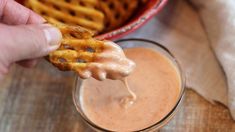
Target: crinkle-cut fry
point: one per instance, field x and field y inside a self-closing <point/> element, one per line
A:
<point x="69" y="13"/>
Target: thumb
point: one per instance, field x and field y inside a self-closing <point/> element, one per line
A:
<point x="23" y="42"/>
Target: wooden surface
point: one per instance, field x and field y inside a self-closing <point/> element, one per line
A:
<point x="39" y="100"/>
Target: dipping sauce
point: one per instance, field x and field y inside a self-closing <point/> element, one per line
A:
<point x="156" y="83"/>
<point x="110" y="63"/>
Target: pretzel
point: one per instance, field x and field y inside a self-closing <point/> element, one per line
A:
<point x="88" y="57"/>
<point x="72" y="12"/>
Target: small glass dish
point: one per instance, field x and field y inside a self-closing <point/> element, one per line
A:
<point x="131" y="43"/>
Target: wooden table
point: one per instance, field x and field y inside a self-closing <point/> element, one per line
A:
<point x="39" y="100"/>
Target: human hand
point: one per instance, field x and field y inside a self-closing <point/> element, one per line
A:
<point x="23" y="36"/>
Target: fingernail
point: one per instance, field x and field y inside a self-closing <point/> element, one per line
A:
<point x="52" y="34"/>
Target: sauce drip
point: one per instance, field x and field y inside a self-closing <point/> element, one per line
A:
<point x="130" y="99"/>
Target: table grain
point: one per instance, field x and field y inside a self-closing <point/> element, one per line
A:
<point x="40" y="100"/>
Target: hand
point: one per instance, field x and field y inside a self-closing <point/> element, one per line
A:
<point x="23" y="36"/>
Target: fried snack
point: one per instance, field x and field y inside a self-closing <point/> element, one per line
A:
<point x="76" y="50"/>
<point x="72" y="12"/>
<point x="117" y="12"/>
<point x="89" y="57"/>
<point x="96" y="15"/>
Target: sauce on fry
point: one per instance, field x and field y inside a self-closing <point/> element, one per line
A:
<point x="110" y="63"/>
<point x="154" y="91"/>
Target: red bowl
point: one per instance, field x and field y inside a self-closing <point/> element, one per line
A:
<point x="151" y="8"/>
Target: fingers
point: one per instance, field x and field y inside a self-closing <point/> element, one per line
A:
<point x="28" y="63"/>
<point x="13" y="13"/>
<point x="27" y="41"/>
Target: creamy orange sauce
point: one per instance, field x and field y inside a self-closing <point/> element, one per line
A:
<point x="111" y="63"/>
<point x="130" y="99"/>
<point x="155" y="83"/>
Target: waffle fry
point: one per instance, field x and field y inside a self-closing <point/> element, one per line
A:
<point x="74" y="46"/>
<point x="96" y="15"/>
<point x="117" y="12"/>
<point x="71" y="12"/>
<point x="89" y="57"/>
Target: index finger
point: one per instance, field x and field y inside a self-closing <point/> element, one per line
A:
<point x="13" y="13"/>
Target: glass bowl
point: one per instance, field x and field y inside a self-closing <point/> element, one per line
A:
<point x="130" y="43"/>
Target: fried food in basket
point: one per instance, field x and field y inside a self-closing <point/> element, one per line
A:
<point x="88" y="56"/>
<point x="79" y="51"/>
<point x="96" y="15"/>
<point x="72" y="12"/>
<point x="117" y="12"/>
